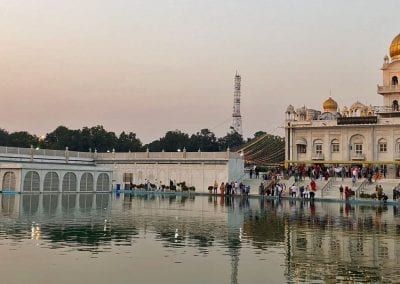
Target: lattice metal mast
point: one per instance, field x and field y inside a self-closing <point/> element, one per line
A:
<point x="237" y="118"/>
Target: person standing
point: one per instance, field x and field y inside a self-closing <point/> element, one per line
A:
<point x="222" y="188"/>
<point x="313" y="187"/>
<point x="215" y="186"/>
<point x="341" y="192"/>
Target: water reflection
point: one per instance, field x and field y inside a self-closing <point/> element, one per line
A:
<point x="327" y="242"/>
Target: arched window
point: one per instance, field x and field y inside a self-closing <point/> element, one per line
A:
<point x="382" y="145"/>
<point x="51" y="182"/>
<point x="103" y="182"/>
<point x="32" y="182"/>
<point x="69" y="182"/>
<point x="335" y="146"/>
<point x="395" y="81"/>
<point x="86" y="182"/>
<point x="301" y="145"/>
<point x="398" y="145"/>
<point x="395" y="105"/>
<point x="317" y="146"/>
<point x="9" y="182"/>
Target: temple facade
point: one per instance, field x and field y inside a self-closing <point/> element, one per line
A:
<point x="358" y="134"/>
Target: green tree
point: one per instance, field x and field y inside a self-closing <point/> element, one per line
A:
<point x="233" y="140"/>
<point x="102" y="140"/>
<point x="60" y="138"/>
<point x="204" y="140"/>
<point x="22" y="139"/>
<point x="174" y="140"/>
<point x="128" y="142"/>
<point x="4" y="136"/>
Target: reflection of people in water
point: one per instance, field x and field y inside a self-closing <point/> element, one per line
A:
<point x="222" y="200"/>
<point x="347" y="208"/>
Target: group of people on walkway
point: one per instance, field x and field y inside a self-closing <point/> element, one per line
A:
<point x="231" y="188"/>
<point x="279" y="189"/>
<point x="347" y="191"/>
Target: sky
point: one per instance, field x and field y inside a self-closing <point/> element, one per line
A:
<point x="157" y="65"/>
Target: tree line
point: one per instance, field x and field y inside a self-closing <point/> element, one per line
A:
<point x="98" y="138"/>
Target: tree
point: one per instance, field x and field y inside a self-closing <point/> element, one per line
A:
<point x="102" y="140"/>
<point x="128" y="142"/>
<point x="232" y="140"/>
<point x="204" y="140"/>
<point x="4" y="136"/>
<point x="174" y="140"/>
<point x="22" y="139"/>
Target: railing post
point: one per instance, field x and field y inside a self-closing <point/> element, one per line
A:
<point x="31" y="153"/>
<point x="66" y="155"/>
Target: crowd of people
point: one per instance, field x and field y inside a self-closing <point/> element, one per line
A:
<point x="231" y="188"/>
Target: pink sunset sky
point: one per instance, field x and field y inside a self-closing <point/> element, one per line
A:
<point x="153" y="66"/>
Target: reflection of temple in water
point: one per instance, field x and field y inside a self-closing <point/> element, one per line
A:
<point x="340" y="242"/>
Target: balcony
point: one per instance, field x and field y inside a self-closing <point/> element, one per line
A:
<point x="357" y="156"/>
<point x="317" y="156"/>
<point x="388" y="89"/>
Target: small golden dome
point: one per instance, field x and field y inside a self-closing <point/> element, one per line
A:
<point x="395" y="48"/>
<point x="330" y="105"/>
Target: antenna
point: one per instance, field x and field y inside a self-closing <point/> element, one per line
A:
<point x="237" y="118"/>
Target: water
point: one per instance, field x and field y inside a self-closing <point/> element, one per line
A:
<point x="104" y="238"/>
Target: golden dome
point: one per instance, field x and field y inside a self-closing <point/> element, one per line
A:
<point x="395" y="48"/>
<point x="330" y="105"/>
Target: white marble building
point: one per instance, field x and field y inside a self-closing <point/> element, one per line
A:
<point x="358" y="134"/>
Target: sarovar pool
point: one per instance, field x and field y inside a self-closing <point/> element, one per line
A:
<point x="168" y="238"/>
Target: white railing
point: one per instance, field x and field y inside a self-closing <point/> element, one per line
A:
<point x="66" y="154"/>
<point x="167" y="155"/>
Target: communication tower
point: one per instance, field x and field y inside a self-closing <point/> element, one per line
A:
<point x="237" y="118"/>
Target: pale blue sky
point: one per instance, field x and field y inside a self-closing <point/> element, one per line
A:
<point x="153" y="66"/>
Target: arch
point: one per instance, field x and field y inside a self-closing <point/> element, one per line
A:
<point x="397" y="145"/>
<point x="31" y="182"/>
<point x="103" y="182"/>
<point x="86" y="182"/>
<point x="51" y="182"/>
<point x="395" y="81"/>
<point x="301" y="141"/>
<point x="9" y="182"/>
<point x="69" y="182"/>
<point x="317" y="146"/>
<point x="317" y="141"/>
<point x="335" y="146"/>
<point x="357" y="138"/>
<point x="382" y="145"/>
<point x="395" y="105"/>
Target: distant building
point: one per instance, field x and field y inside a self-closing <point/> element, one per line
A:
<point x="358" y="134"/>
